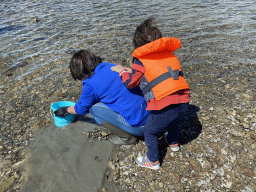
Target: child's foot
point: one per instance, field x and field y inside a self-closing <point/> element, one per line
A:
<point x="174" y="147"/>
<point x="143" y="161"/>
<point x="121" y="140"/>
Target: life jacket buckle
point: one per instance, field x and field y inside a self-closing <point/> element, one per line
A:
<point x="175" y="74"/>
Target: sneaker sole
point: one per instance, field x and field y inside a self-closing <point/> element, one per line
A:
<point x="175" y="149"/>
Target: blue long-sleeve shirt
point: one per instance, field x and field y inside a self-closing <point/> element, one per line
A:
<point x="105" y="86"/>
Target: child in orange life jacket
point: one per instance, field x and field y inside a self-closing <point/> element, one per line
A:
<point x="157" y="70"/>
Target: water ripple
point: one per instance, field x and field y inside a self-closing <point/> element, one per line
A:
<point x="44" y="32"/>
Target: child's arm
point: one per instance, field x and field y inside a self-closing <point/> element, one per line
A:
<point x="131" y="80"/>
<point x="130" y="77"/>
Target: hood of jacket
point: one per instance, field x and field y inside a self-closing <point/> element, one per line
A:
<point x="159" y="45"/>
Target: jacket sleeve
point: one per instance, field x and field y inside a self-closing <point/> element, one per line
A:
<point x="86" y="100"/>
<point x="131" y="80"/>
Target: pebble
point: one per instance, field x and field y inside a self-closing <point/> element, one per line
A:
<point x="228" y="184"/>
<point x="247" y="189"/>
<point x="7" y="183"/>
<point x="245" y="125"/>
<point x="233" y="158"/>
<point x="161" y="185"/>
<point x="220" y="171"/>
<point x="111" y="165"/>
<point x="207" y="164"/>
<point x="250" y="156"/>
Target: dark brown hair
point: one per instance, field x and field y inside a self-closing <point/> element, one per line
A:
<point x="145" y="33"/>
<point x="83" y="64"/>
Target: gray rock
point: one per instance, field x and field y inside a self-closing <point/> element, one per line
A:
<point x="7" y="183"/>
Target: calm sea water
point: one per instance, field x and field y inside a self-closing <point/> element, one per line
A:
<point x="35" y="33"/>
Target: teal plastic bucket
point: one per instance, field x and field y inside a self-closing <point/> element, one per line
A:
<point x="62" y="121"/>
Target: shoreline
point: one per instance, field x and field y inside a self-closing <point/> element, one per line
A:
<point x="221" y="158"/>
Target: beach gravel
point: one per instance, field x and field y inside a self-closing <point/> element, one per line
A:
<point x="217" y="135"/>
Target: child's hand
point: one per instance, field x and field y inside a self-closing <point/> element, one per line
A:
<point x="119" y="68"/>
<point x="61" y="112"/>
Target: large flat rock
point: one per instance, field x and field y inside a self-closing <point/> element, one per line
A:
<point x="64" y="160"/>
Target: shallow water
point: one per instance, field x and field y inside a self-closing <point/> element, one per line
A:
<point x="36" y="33"/>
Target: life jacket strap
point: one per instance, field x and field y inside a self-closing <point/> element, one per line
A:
<point x="174" y="74"/>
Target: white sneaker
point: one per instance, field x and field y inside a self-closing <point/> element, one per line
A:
<point x="174" y="147"/>
<point x="143" y="161"/>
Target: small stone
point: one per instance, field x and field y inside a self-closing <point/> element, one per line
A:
<point x="206" y="164"/>
<point x="233" y="159"/>
<point x="237" y="96"/>
<point x="18" y="164"/>
<point x="202" y="182"/>
<point x="126" y="173"/>
<point x="247" y="189"/>
<point x="8" y="171"/>
<point x="35" y="20"/>
<point x="250" y="156"/>
<point x="122" y="163"/>
<point x="227" y="86"/>
<point x="232" y="118"/>
<point x="205" y="118"/>
<point x="245" y="125"/>
<point x="15" y="174"/>
<point x="223" y="151"/>
<point x="211" y="109"/>
<point x="253" y="146"/>
<point x="220" y="171"/>
<point x="110" y="164"/>
<point x="7" y="183"/>
<point x="236" y="133"/>
<point x="247" y="97"/>
<point x="161" y="184"/>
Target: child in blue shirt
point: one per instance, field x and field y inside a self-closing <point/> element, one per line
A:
<point x="104" y="96"/>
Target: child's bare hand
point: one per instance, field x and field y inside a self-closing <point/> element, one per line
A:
<point x="119" y="68"/>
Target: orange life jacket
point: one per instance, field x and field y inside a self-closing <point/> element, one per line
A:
<point x="163" y="71"/>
